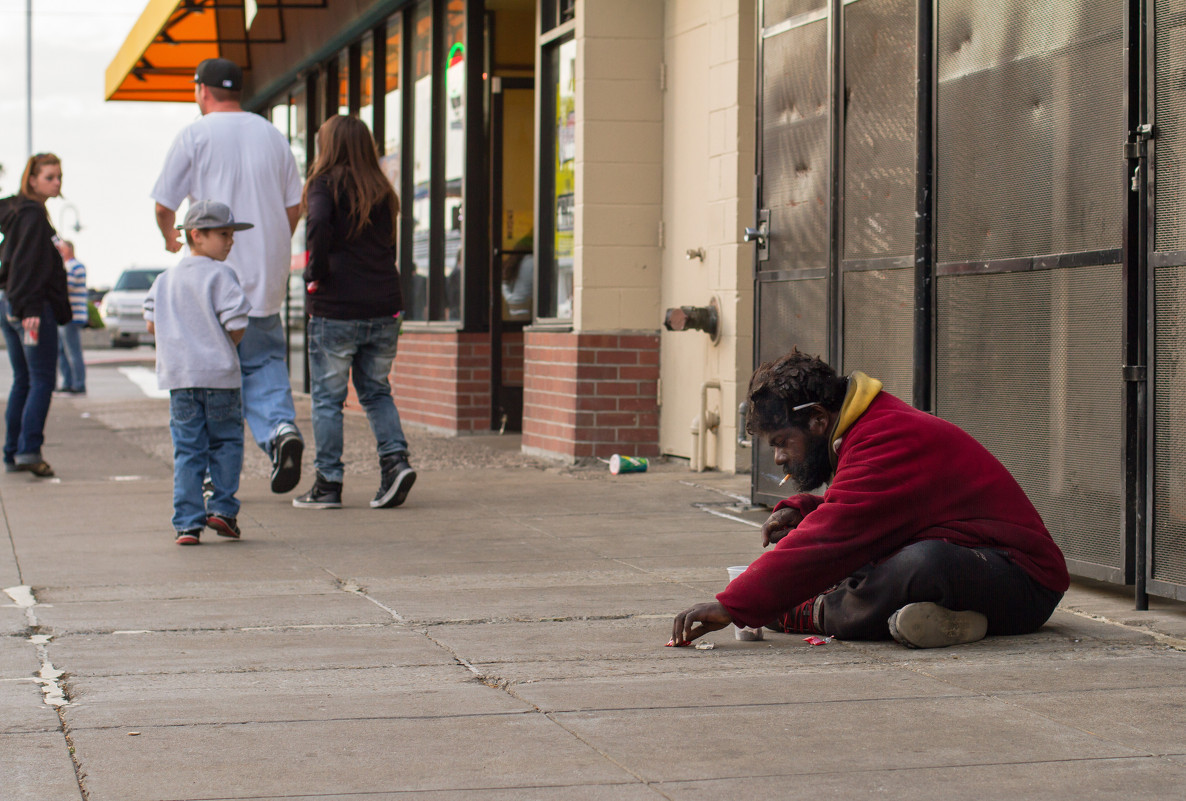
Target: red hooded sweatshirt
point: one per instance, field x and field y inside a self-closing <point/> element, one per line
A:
<point x="902" y="476"/>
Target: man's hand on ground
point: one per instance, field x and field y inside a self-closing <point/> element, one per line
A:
<point x="779" y="524"/>
<point x="710" y="616"/>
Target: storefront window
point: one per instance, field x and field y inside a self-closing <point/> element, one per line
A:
<point x="420" y="204"/>
<point x="454" y="155"/>
<point x="366" y="89"/>
<point x="557" y="191"/>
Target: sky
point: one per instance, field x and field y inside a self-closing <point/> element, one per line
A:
<point x="111" y="152"/>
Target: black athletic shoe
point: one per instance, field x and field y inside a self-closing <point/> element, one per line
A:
<point x="324" y="495"/>
<point x="395" y="483"/>
<point x="223" y="525"/>
<point x="286" y="462"/>
<point x="189" y="537"/>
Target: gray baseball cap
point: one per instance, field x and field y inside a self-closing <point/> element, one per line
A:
<point x="211" y="214"/>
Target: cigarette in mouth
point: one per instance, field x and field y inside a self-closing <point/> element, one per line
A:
<point x="784" y="480"/>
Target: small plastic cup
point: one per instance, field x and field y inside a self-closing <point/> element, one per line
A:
<point x="743" y="632"/>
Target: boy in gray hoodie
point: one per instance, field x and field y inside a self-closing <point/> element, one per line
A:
<point x="198" y="312"/>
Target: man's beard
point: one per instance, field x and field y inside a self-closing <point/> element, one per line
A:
<point x="816" y="467"/>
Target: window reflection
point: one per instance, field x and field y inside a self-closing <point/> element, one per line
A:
<point x="344" y="82"/>
<point x="366" y="107"/>
<point x="559" y="187"/>
<point x="421" y="205"/>
<point x="454" y="156"/>
<point x="393" y="107"/>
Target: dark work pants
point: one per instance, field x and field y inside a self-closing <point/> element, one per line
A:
<point x="958" y="578"/>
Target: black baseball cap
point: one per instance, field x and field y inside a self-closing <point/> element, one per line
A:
<point x="220" y="73"/>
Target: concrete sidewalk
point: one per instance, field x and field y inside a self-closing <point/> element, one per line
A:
<point x="501" y="636"/>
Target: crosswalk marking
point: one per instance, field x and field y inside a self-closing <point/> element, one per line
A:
<point x="146" y="380"/>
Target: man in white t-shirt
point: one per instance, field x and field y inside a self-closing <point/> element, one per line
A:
<point x="241" y="159"/>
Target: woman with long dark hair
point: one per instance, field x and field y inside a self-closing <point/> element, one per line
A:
<point x="33" y="304"/>
<point x="354" y="302"/>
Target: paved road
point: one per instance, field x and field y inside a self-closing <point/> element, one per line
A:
<point x="501" y="637"/>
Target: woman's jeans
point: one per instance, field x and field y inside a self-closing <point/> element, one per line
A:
<point x="34" y="368"/>
<point x="364" y="351"/>
<point x="207" y="429"/>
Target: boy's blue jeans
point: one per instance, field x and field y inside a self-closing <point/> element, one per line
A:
<point x="362" y="351"/>
<point x="207" y="429"/>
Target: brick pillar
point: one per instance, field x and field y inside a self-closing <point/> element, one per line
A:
<point x="591" y="394"/>
<point x="441" y="380"/>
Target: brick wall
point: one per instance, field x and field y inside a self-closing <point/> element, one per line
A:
<point x="442" y="380"/>
<point x="591" y="394"/>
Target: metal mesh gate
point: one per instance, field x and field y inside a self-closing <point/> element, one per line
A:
<point x="1167" y="540"/>
<point x="792" y="283"/>
<point x="1032" y="310"/>
<point x="879" y="191"/>
<point x="1028" y="343"/>
<point x="1027" y="364"/>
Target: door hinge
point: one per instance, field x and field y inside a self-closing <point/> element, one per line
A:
<point x="662" y="76"/>
<point x="1134" y="372"/>
<point x="662" y="232"/>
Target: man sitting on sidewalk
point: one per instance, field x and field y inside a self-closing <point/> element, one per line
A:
<point x="922" y="535"/>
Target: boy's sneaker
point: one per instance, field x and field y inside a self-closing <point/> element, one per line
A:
<point x="224" y="525"/>
<point x="188" y="537"/>
<point x="395" y="482"/>
<point x="929" y="625"/>
<point x="286" y="461"/>
<point x="207" y="489"/>
<point x="323" y="495"/>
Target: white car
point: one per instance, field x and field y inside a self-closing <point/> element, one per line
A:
<point x="123" y="307"/>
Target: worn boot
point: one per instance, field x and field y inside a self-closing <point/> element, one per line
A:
<point x="929" y="625"/>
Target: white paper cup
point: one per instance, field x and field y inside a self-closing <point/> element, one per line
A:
<point x="743" y="632"/>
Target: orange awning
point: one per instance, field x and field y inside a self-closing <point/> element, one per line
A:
<point x="157" y="60"/>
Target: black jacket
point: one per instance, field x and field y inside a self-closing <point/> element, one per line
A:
<point x="31" y="270"/>
<point x="356" y="277"/>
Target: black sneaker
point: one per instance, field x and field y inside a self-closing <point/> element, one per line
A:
<point x="929" y="625"/>
<point x="395" y="483"/>
<point x="324" y="495"/>
<point x="286" y="462"/>
<point x="224" y="525"/>
<point x="188" y="537"/>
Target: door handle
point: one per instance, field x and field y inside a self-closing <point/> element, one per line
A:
<point x="760" y="235"/>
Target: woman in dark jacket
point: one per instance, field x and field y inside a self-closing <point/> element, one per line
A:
<point x="34" y="302"/>
<point x="354" y="302"/>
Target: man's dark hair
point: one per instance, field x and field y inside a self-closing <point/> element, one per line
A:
<point x="779" y="386"/>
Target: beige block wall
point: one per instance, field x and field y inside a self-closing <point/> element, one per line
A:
<point x="619" y="165"/>
<point x="664" y="166"/>
<point x="708" y="140"/>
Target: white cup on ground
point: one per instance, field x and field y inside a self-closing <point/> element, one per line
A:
<point x="743" y="632"/>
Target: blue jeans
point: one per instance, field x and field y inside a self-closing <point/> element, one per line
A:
<point x="33" y="370"/>
<point x="267" y="393"/>
<point x="207" y="429"/>
<point x="70" y="362"/>
<point x="362" y="350"/>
